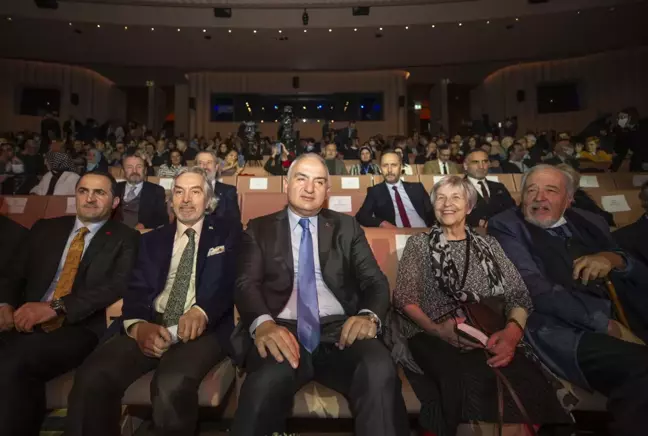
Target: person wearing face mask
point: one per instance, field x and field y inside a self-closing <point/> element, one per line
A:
<point x="564" y="256"/>
<point x="630" y="137"/>
<point x="18" y="182"/>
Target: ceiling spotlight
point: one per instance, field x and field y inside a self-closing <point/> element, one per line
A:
<point x="280" y="31"/>
<point x="517" y="19"/>
<point x="380" y="29"/>
<point x="254" y="31"/>
<point x="178" y="29"/>
<point x="355" y="29"/>
<point x="153" y="29"/>
<point x="578" y="12"/>
<point x="305" y="17"/>
<point x="69" y="24"/>
<point x="229" y="31"/>
<point x="433" y="26"/>
<point x="488" y="22"/>
<point x="460" y="24"/>
<point x="304" y="120"/>
<point x="204" y="30"/>
<point x="98" y="25"/>
<point x="305" y="31"/>
<point x="330" y="30"/>
<point x="406" y="27"/>
<point x="125" y="27"/>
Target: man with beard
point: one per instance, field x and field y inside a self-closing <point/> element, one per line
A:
<point x="564" y="256"/>
<point x="53" y="297"/>
<point x="227" y="206"/>
<point x="143" y="204"/>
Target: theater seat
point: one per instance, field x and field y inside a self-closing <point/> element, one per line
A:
<point x="25" y="210"/>
<point x="256" y="204"/>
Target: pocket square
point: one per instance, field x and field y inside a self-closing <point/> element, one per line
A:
<point x="216" y="250"/>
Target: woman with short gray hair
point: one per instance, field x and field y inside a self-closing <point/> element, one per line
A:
<point x="439" y="274"/>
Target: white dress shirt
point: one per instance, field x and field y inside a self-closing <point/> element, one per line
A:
<point x="447" y="167"/>
<point x="413" y="216"/>
<point x="128" y="187"/>
<point x="477" y="185"/>
<point x="327" y="302"/>
<point x="179" y="244"/>
<point x="520" y="165"/>
<point x="93" y="228"/>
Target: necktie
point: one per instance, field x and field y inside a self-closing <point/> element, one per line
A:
<point x="560" y="232"/>
<point x="178" y="296"/>
<point x="67" y="276"/>
<point x="445" y="169"/>
<point x="401" y="208"/>
<point x="484" y="190"/>
<point x="131" y="194"/>
<point x="308" y="323"/>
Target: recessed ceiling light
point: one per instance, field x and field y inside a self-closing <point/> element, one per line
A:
<point x="305" y="31"/>
<point x="406" y="27"/>
<point x="178" y="29"/>
<point x="433" y="26"/>
<point x="229" y="31"/>
<point x="355" y="29"/>
<point x="69" y="24"/>
<point x="460" y="24"/>
<point x="380" y="29"/>
<point x="204" y="30"/>
<point x="153" y="28"/>
<point x="280" y="31"/>
<point x="254" y="31"/>
<point x="98" y="25"/>
<point x="330" y="30"/>
<point x="578" y="12"/>
<point x="488" y="22"/>
<point x="9" y="18"/>
<point x="125" y="27"/>
<point x="517" y="19"/>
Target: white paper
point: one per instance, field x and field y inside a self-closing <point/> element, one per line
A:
<point x="350" y="183"/>
<point x="71" y="206"/>
<point x="639" y="179"/>
<point x="493" y="178"/>
<point x="166" y="183"/>
<point x="340" y="203"/>
<point x="173" y="331"/>
<point x="615" y="203"/>
<point x="589" y="182"/>
<point x="437" y="179"/>
<point x="259" y="183"/>
<point x="401" y="241"/>
<point x="16" y="205"/>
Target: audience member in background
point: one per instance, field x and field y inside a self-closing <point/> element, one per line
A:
<point x="456" y="155"/>
<point x="335" y="166"/>
<point x="366" y="165"/>
<point x="324" y="327"/>
<point x="279" y="161"/>
<point x="117" y="154"/>
<point x="95" y="162"/>
<point x="506" y="143"/>
<point x="161" y="155"/>
<point x="494" y="160"/>
<point x="492" y="197"/>
<point x="61" y="179"/>
<point x="183" y="279"/>
<point x="497" y="152"/>
<point x="33" y="160"/>
<point x="582" y="200"/>
<point x="143" y="204"/>
<point x="188" y="153"/>
<point x="438" y="272"/>
<point x="227" y="206"/>
<point x="593" y="153"/>
<point x="516" y="163"/>
<point x="54" y="296"/>
<point x="223" y="149"/>
<point x="563" y="153"/>
<point x="400" y="143"/>
<point x="348" y="135"/>
<point x="607" y="140"/>
<point x="6" y="157"/>
<point x="442" y="165"/>
<point x="173" y="166"/>
<point x="632" y="238"/>
<point x="394" y="203"/>
<point x="13" y="236"/>
<point x="351" y="152"/>
<point x="406" y="168"/>
<point x="630" y="137"/>
<point x="564" y="256"/>
<point x="17" y="182"/>
<point x="429" y="154"/>
<point x="534" y="154"/>
<point x="50" y="128"/>
<point x="231" y="164"/>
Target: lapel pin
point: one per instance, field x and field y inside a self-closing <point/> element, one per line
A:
<point x="108" y="233"/>
<point x="211" y="228"/>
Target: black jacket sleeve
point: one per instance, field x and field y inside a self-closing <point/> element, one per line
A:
<point x="365" y="216"/>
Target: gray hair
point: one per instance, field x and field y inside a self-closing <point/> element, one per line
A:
<point x="456" y="181"/>
<point x="212" y="200"/>
<point x="217" y="161"/>
<point x="568" y="178"/>
<point x="301" y="157"/>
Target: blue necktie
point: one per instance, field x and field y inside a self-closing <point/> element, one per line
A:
<point x="308" y="325"/>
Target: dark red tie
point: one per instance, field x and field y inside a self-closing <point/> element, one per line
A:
<point x="401" y="208"/>
<point x="484" y="191"/>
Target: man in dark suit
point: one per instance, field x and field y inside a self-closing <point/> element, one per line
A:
<point x="228" y="205"/>
<point x="632" y="238"/>
<point x="395" y="203"/>
<point x="312" y="298"/>
<point x="563" y="154"/>
<point x="516" y="163"/>
<point x="564" y="256"/>
<point x="178" y="317"/>
<point x="13" y="235"/>
<point x="347" y="135"/>
<point x="53" y="299"/>
<point x="492" y="197"/>
<point x="143" y="204"/>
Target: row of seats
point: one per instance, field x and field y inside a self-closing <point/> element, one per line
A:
<point x="313" y="400"/>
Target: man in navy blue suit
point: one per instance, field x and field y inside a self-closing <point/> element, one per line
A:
<point x="227" y="206"/>
<point x="177" y="319"/>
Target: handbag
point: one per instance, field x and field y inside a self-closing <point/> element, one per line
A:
<point x="488" y="316"/>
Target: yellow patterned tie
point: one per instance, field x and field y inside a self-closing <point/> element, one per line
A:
<point x="66" y="279"/>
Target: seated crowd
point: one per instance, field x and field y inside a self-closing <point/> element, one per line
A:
<point x="548" y="290"/>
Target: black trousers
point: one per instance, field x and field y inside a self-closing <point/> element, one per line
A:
<point x="27" y="362"/>
<point x="619" y="370"/>
<point x="94" y="405"/>
<point x="364" y="373"/>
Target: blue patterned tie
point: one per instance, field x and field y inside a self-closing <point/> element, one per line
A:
<point x="308" y="325"/>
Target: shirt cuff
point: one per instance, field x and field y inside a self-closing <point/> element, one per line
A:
<point x="129" y="323"/>
<point x="257" y="322"/>
<point x="519" y="315"/>
<point x="203" y="312"/>
<point x="379" y="329"/>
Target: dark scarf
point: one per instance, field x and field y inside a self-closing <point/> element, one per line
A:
<point x="447" y="274"/>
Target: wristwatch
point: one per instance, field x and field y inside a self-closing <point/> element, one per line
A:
<point x="59" y="307"/>
<point x="372" y="317"/>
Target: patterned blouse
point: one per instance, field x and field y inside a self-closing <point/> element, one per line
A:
<point x="415" y="283"/>
<point x="168" y="170"/>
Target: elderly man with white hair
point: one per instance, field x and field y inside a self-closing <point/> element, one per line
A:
<point x="565" y="255"/>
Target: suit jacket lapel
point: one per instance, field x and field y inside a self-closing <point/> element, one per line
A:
<point x="284" y="244"/>
<point x="98" y="241"/>
<point x="391" y="217"/>
<point x="206" y="238"/>
<point x="325" y="228"/>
